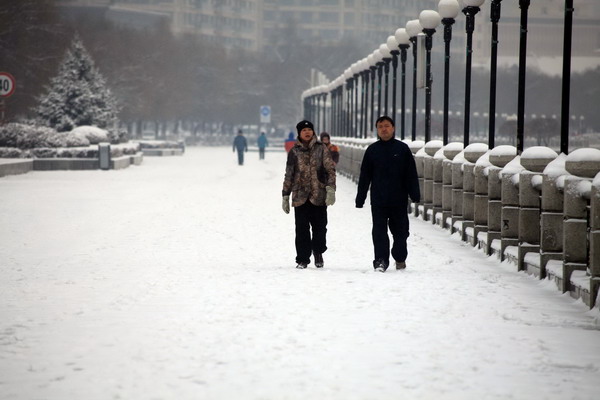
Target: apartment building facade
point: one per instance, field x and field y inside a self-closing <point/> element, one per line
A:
<point x="254" y="25"/>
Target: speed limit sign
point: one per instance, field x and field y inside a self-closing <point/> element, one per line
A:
<point x="7" y="84"/>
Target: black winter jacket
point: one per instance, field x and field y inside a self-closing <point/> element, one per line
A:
<point x="389" y="169"/>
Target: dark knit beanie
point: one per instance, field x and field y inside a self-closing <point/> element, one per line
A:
<point x="304" y="124"/>
<point x="325" y="134"/>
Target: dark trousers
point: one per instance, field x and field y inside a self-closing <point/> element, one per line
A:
<point x="261" y="153"/>
<point x="240" y="156"/>
<point x="396" y="219"/>
<point x="307" y="216"/>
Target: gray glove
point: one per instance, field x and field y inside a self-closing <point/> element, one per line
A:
<point x="285" y="204"/>
<point x="330" y="197"/>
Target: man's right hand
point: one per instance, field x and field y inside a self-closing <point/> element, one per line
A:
<point x="285" y="204"/>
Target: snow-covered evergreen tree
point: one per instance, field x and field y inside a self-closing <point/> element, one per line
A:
<point x="78" y="95"/>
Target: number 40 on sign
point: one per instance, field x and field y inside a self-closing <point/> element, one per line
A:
<point x="7" y="84"/>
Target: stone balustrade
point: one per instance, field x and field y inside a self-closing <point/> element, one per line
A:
<point x="539" y="211"/>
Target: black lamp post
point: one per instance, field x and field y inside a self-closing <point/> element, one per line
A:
<point x="392" y="44"/>
<point x="364" y="74"/>
<point x="403" y="44"/>
<point x="324" y="109"/>
<point x="380" y="64"/>
<point x="413" y="28"/>
<point x="332" y="107"/>
<point x="472" y="8"/>
<point x="494" y="17"/>
<point x="524" y="5"/>
<point x="317" y="120"/>
<point x="340" y="106"/>
<point x="566" y="78"/>
<point x="448" y="9"/>
<point x="355" y="75"/>
<point x="347" y="116"/>
<point x="429" y="20"/>
<point x="386" y="59"/>
<point x="373" y="68"/>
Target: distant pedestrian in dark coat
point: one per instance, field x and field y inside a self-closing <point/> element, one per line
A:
<point x="389" y="169"/>
<point x="262" y="143"/>
<point x="241" y="145"/>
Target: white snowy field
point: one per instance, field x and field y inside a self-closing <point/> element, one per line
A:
<point x="176" y="280"/>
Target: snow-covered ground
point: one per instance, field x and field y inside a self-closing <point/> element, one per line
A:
<point x="176" y="280"/>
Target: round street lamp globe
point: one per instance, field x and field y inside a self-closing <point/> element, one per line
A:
<point x="449" y="8"/>
<point x="429" y="19"/>
<point x="377" y="56"/>
<point x="392" y="43"/>
<point x="401" y="36"/>
<point x="371" y="60"/>
<point x="364" y="64"/>
<point x="347" y="74"/>
<point x="385" y="50"/>
<point x="473" y="3"/>
<point x="413" y="27"/>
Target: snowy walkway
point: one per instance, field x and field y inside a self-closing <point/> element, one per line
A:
<point x="176" y="280"/>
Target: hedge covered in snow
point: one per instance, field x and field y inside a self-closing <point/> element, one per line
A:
<point x="158" y="144"/>
<point x="24" y="136"/>
<point x="19" y="140"/>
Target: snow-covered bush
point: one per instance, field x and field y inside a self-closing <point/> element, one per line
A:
<point x="158" y="144"/>
<point x="75" y="140"/>
<point x="43" y="152"/>
<point x="118" y="135"/>
<point x="13" y="152"/>
<point x="27" y="136"/>
<point x="93" y="134"/>
<point x="78" y="95"/>
<point x="78" y="152"/>
<point x="8" y="135"/>
<point x="24" y="136"/>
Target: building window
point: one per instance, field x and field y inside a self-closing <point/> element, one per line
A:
<point x="328" y="17"/>
<point x="328" y="34"/>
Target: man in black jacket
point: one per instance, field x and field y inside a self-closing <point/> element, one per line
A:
<point x="389" y="169"/>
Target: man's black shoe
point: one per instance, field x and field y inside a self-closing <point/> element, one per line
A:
<point x="380" y="265"/>
<point x="319" y="263"/>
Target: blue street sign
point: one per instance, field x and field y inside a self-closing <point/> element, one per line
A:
<point x="265" y="114"/>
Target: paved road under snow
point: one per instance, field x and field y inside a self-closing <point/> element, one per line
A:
<point x="176" y="280"/>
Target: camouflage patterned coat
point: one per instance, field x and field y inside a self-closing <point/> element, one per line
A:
<point x="308" y="170"/>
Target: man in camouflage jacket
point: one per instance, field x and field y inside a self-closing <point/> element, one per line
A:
<point x="310" y="179"/>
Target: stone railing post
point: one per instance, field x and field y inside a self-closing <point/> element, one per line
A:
<point x="584" y="165"/>
<point x="594" y="268"/>
<point x="358" y="153"/>
<point x="481" y="201"/>
<point x="450" y="151"/>
<point x="499" y="156"/>
<point x="438" y="186"/>
<point x="510" y="207"/>
<point x="415" y="146"/>
<point x="471" y="153"/>
<point x="420" y="162"/>
<point x="534" y="160"/>
<point x="431" y="148"/>
<point x="457" y="189"/>
<point x="551" y="218"/>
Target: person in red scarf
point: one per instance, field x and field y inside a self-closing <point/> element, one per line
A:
<point x="333" y="149"/>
